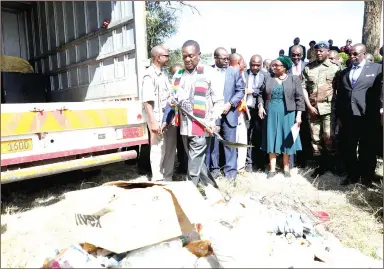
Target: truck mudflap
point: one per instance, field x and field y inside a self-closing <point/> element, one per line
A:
<point x="65" y="166"/>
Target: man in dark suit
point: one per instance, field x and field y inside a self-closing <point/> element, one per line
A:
<point x="296" y="42"/>
<point x="229" y="91"/>
<point x="255" y="80"/>
<point x="297" y="70"/>
<point x="213" y="159"/>
<point x="358" y="108"/>
<point x="296" y="56"/>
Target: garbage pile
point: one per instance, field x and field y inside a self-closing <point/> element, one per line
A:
<point x="145" y="225"/>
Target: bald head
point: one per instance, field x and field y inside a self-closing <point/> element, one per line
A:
<point x="159" y="55"/>
<point x="267" y="63"/>
<point x="235" y="60"/>
<point x="234" y="57"/>
<point x="296" y="54"/>
<point x="297" y="48"/>
<point x="369" y="57"/>
<point x="219" y="50"/>
<point x="221" y="56"/>
<point x="157" y="50"/>
<point x="333" y="55"/>
<point x="255" y="63"/>
<point x="358" y="52"/>
<point x="360" y="47"/>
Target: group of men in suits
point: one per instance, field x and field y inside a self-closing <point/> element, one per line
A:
<point x="227" y="94"/>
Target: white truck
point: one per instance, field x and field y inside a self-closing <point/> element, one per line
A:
<point x="89" y="111"/>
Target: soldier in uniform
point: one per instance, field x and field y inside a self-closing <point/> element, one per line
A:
<point x="156" y="90"/>
<point x="318" y="85"/>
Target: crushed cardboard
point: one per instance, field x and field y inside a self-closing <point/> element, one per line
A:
<point x="122" y="216"/>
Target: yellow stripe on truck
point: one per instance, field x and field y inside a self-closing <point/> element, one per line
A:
<point x="22" y="123"/>
<point x="65" y="166"/>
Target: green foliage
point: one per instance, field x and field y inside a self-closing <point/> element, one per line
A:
<point x="162" y="23"/>
<point x="378" y="59"/>
<point x="175" y="57"/>
<point x="162" y="19"/>
<point x="344" y="58"/>
<point x="207" y="58"/>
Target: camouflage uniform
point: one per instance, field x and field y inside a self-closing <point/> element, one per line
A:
<point x="318" y="80"/>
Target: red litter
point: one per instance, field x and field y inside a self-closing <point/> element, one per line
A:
<point x="323" y="216"/>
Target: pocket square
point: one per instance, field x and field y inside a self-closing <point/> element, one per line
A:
<point x="372" y="75"/>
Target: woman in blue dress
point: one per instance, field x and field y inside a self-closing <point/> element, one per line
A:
<point x="280" y="105"/>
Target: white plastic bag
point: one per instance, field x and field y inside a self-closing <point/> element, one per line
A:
<point x="169" y="254"/>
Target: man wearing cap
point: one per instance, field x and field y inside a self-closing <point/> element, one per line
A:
<point x="318" y="87"/>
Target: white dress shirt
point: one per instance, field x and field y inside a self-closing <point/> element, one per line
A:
<point x="355" y="72"/>
<point x="253" y="80"/>
<point x="296" y="69"/>
<point x="219" y="83"/>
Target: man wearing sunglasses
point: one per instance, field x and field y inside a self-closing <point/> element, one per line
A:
<point x="318" y="87"/>
<point x="358" y="108"/>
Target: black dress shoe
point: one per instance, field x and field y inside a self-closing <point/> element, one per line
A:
<point x="271" y="174"/>
<point x="349" y="180"/>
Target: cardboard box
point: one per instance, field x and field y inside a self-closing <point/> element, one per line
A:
<point x="124" y="216"/>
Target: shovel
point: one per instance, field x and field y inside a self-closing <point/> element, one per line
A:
<point x="216" y="134"/>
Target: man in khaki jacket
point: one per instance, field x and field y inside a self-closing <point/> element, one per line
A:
<point x="318" y="87"/>
<point x="156" y="90"/>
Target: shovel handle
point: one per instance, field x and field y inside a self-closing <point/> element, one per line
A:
<point x="198" y="120"/>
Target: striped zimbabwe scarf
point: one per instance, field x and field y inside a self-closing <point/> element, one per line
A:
<point x="199" y="100"/>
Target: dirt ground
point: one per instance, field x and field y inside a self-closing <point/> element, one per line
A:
<point x="35" y="214"/>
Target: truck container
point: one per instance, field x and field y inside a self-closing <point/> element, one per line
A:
<point x="81" y="107"/>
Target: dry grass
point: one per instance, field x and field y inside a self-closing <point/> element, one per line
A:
<point x="37" y="222"/>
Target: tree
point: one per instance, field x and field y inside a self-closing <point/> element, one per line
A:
<point x="175" y="57"/>
<point x="162" y="20"/>
<point x="372" y="26"/>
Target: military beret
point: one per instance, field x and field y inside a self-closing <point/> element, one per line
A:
<point x="321" y="45"/>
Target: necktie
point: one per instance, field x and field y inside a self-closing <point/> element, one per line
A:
<point x="354" y="76"/>
<point x="254" y="86"/>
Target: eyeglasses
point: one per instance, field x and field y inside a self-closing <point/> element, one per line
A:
<point x="276" y="65"/>
<point x="296" y="54"/>
<point x="356" y="53"/>
<point x="222" y="59"/>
